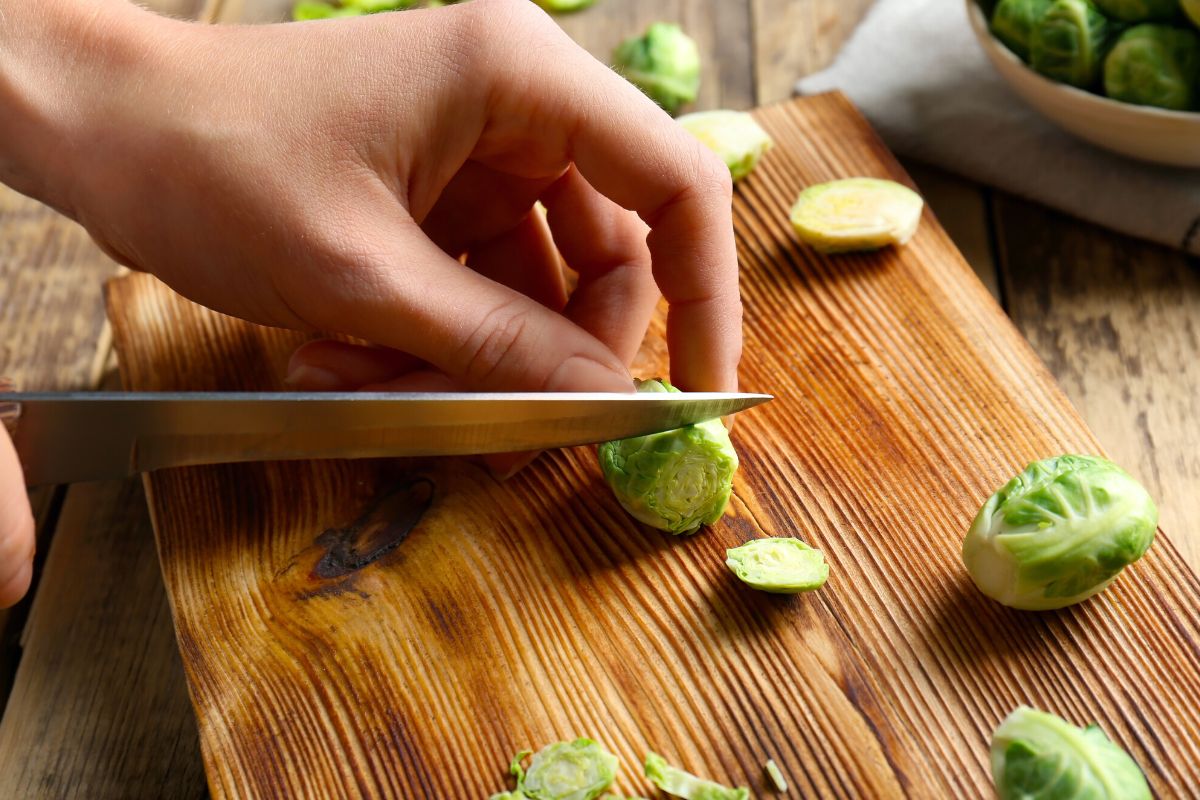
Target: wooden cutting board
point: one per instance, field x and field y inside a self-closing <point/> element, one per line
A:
<point x="401" y="628"/>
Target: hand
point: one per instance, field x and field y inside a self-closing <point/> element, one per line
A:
<point x="16" y="527"/>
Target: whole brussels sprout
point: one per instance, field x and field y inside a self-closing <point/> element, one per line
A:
<point x="1035" y="754"/>
<point x="664" y="63"/>
<point x="1013" y="22"/>
<point x="1058" y="533"/>
<point x="676" y="480"/>
<point x="1069" y="42"/>
<point x="1155" y="65"/>
<point x="1138" y="10"/>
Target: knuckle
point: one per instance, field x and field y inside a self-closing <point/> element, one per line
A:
<point x="496" y="342"/>
<point x="712" y="176"/>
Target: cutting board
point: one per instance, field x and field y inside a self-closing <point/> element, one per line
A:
<point x="400" y="629"/>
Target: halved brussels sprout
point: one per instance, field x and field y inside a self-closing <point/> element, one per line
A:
<point x="1058" y="533"/>
<point x="732" y="135"/>
<point x="678" y="783"/>
<point x="779" y="565"/>
<point x="1155" y="65"/>
<point x="578" y="770"/>
<point x="1138" y="10"/>
<point x="676" y="480"/>
<point x="1039" y="755"/>
<point x="856" y="214"/>
<point x="1013" y="22"/>
<point x="1069" y="42"/>
<point x="664" y="63"/>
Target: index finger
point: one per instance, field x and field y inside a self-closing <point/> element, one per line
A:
<point x="635" y="154"/>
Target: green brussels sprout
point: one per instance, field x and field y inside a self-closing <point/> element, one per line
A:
<point x="1058" y="533"/>
<point x="578" y="770"/>
<point x="1035" y="754"/>
<point x="678" y="783"/>
<point x="1069" y="42"/>
<point x="775" y="776"/>
<point x="564" y="6"/>
<point x="377" y="6"/>
<point x="664" y="63"/>
<point x="1155" y="65"/>
<point x="1138" y="10"/>
<point x="856" y="214"/>
<point x="676" y="480"/>
<point x="1192" y="9"/>
<point x="779" y="566"/>
<point x="732" y="135"/>
<point x="315" y="9"/>
<point x="1013" y="22"/>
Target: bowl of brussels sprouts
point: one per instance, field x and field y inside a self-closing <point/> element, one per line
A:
<point x="1121" y="74"/>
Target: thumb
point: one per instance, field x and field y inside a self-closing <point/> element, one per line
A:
<point x="16" y="527"/>
<point x="484" y="335"/>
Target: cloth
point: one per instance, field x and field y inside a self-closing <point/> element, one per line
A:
<point x="916" y="71"/>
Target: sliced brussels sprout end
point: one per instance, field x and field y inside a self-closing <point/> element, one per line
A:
<point x="664" y="63"/>
<point x="676" y="481"/>
<point x="1035" y="754"/>
<point x="1058" y="533"/>
<point x="678" y="783"/>
<point x="856" y="214"/>
<point x="778" y="565"/>
<point x="733" y="135"/>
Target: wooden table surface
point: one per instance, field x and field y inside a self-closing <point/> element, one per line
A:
<point x="90" y="681"/>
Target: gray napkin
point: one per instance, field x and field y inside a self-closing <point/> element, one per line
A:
<point x="917" y="72"/>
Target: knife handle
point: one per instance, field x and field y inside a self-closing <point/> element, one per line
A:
<point x="9" y="412"/>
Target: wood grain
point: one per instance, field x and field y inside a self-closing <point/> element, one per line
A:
<point x="333" y="651"/>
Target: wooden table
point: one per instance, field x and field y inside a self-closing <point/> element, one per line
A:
<point x="96" y="703"/>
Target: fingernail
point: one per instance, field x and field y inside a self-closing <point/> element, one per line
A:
<point x="306" y="376"/>
<point x="583" y="374"/>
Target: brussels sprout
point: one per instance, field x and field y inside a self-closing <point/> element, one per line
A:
<point x="733" y="135"/>
<point x="779" y="566"/>
<point x="1138" y="10"/>
<point x="1013" y="22"/>
<point x="676" y="480"/>
<point x="564" y="6"/>
<point x="578" y="770"/>
<point x="1058" y="533"/>
<point x="775" y="775"/>
<point x="678" y="783"/>
<point x="376" y="6"/>
<point x="315" y="9"/>
<point x="1192" y="9"/>
<point x="1035" y="754"/>
<point x="1154" y="65"/>
<point x="664" y="63"/>
<point x="856" y="214"/>
<point x="1069" y="42"/>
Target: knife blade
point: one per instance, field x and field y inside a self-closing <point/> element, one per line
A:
<point x="64" y="437"/>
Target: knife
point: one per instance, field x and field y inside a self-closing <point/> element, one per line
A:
<point x="80" y="436"/>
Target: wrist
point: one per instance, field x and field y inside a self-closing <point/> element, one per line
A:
<point x="64" y="66"/>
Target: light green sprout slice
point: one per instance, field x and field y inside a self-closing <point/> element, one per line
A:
<point x="678" y="783"/>
<point x="1058" y="533"/>
<point x="1155" y="65"/>
<point x="1013" y="22"/>
<point x="1069" y="42"/>
<point x="779" y="565"/>
<point x="664" y="63"/>
<point x="676" y="480"/>
<point x="732" y="135"/>
<point x="856" y="214"/>
<point x="775" y="775"/>
<point x="1138" y="10"/>
<point x="1039" y="755"/>
<point x="578" y="770"/>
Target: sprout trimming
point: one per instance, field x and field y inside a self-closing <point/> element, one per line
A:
<point x="678" y="783"/>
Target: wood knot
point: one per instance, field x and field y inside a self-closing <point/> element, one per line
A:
<point x="381" y="528"/>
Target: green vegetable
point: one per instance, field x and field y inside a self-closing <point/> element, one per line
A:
<point x="678" y="783"/>
<point x="856" y="214"/>
<point x="1155" y="65"/>
<point x="676" y="480"/>
<point x="1192" y="9"/>
<point x="733" y="135"/>
<point x="564" y="6"/>
<point x="780" y="566"/>
<point x="1058" y="533"/>
<point x="314" y="9"/>
<point x="1013" y="22"/>
<point x="377" y="6"/>
<point x="664" y="63"/>
<point x="1069" y="42"/>
<point x="1138" y="10"/>
<point x="1039" y="755"/>
<point x="775" y="776"/>
<point x="578" y="770"/>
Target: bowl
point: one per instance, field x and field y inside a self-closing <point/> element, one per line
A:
<point x="1142" y="132"/>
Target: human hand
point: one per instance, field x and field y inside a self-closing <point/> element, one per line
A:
<point x="16" y="527"/>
